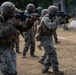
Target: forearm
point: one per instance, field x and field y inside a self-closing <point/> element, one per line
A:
<point x="51" y="25"/>
<point x="23" y="26"/>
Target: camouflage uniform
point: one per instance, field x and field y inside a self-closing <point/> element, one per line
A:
<point x="29" y="42"/>
<point x="43" y="57"/>
<point x="39" y="10"/>
<point x="7" y="39"/>
<point x="29" y="36"/>
<point x="49" y="23"/>
<point x="51" y="57"/>
<point x="7" y="54"/>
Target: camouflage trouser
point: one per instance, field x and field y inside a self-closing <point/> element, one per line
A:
<point x="7" y="60"/>
<point x="30" y="43"/>
<point x="43" y="57"/>
<point x="51" y="55"/>
<point x="44" y="54"/>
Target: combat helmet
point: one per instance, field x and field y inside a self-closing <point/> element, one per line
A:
<point x="30" y="7"/>
<point x="39" y="8"/>
<point x="52" y="9"/>
<point x="7" y="7"/>
<point x="44" y="12"/>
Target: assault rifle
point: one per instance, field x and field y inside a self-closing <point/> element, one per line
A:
<point x="65" y="16"/>
<point x="22" y="16"/>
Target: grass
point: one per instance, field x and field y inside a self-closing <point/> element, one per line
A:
<point x="66" y="51"/>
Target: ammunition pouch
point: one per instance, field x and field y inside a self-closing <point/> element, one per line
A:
<point x="45" y="30"/>
<point x="7" y="40"/>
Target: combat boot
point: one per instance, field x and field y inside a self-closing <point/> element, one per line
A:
<point x="18" y="52"/>
<point x="57" y="42"/>
<point x="8" y="74"/>
<point x="25" y="51"/>
<point x="48" y="72"/>
<point x="41" y="62"/>
<point x="33" y="55"/>
<point x="44" y="71"/>
<point x="58" y="73"/>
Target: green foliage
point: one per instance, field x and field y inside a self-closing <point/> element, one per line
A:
<point x="70" y="4"/>
<point x="22" y="3"/>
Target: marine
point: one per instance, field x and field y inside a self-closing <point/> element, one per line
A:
<point x="49" y="24"/>
<point x="8" y="27"/>
<point x="29" y="36"/>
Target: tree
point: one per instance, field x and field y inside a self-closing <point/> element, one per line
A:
<point x="71" y="5"/>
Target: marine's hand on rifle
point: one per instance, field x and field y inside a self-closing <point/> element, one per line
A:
<point x="16" y="22"/>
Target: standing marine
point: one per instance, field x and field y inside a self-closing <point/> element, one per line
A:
<point x="48" y="25"/>
<point x="8" y="27"/>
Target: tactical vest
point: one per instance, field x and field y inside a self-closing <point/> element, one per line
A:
<point x="4" y="39"/>
<point x="46" y="31"/>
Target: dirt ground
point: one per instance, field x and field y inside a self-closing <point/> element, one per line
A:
<point x="66" y="51"/>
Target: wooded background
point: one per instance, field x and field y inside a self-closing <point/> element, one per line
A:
<point x="69" y="4"/>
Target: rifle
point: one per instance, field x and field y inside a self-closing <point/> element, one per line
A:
<point x="65" y="16"/>
<point x="22" y="16"/>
